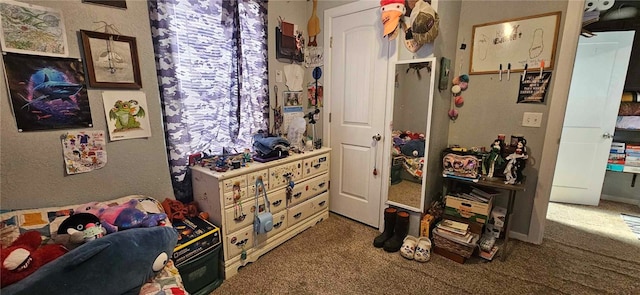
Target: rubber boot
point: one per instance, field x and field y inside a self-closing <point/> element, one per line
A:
<point x="399" y="233"/>
<point x="389" y="224"/>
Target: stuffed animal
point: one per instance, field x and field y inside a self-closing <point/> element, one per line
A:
<point x="118" y="263"/>
<point x="25" y="255"/>
<point x="121" y="217"/>
<point x="78" y="229"/>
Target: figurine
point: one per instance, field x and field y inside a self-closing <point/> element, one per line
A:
<point x="516" y="162"/>
<point x="246" y="156"/>
<point x="495" y="158"/>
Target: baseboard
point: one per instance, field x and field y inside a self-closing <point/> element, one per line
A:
<point x="620" y="199"/>
<point x="519" y="236"/>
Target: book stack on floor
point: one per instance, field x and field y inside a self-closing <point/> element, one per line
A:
<point x="632" y="158"/>
<point x="454" y="239"/>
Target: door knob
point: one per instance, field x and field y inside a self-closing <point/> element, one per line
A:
<point x="607" y="135"/>
<point x="377" y="137"/>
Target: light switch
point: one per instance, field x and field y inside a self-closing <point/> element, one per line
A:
<point x="532" y="119"/>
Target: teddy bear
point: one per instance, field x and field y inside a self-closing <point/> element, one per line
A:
<point x="25" y="255"/>
<point x="121" y="217"/>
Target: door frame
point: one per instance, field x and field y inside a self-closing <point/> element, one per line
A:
<point x="329" y="14"/>
<point x="557" y="108"/>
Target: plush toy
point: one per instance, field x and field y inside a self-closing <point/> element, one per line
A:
<point x="25" y="255"/>
<point x="78" y="229"/>
<point x="121" y="217"/>
<point x="118" y="263"/>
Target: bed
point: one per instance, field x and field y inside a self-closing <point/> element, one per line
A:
<point x="46" y="221"/>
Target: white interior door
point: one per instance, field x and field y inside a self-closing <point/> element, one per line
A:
<point x="594" y="98"/>
<point x="358" y="62"/>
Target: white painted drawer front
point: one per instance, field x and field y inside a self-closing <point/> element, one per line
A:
<point x="320" y="203"/>
<point x="315" y="165"/>
<point x="316" y="186"/>
<point x="235" y="241"/>
<point x="299" y="212"/>
<point x="251" y="177"/>
<point x="228" y="184"/>
<point x="278" y="200"/>
<point x="297" y="194"/>
<point x="228" y="197"/>
<point x="279" y="224"/>
<point x="252" y="188"/>
<point x="247" y="209"/>
<point x="277" y="174"/>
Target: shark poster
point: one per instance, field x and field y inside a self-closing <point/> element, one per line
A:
<point x="47" y="92"/>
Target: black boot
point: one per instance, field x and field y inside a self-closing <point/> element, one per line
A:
<point x="399" y="233"/>
<point x="389" y="224"/>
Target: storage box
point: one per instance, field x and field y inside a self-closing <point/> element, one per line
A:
<point x="201" y="275"/>
<point x="498" y="214"/>
<point x="448" y="254"/>
<point x="472" y="210"/>
<point x="615" y="167"/>
<point x="196" y="236"/>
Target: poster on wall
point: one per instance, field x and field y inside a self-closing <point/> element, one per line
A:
<point x="314" y="97"/>
<point x="83" y="151"/>
<point x="31" y="29"/>
<point x="47" y="92"/>
<point x="126" y="113"/>
<point x="533" y="87"/>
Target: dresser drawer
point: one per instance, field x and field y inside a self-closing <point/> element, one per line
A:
<point x="278" y="200"/>
<point x="227" y="184"/>
<point x="319" y="203"/>
<point x="315" y="165"/>
<point x="279" y="224"/>
<point x="228" y="197"/>
<point x="307" y="208"/>
<point x="251" y="177"/>
<point x="252" y="188"/>
<point x="309" y="188"/>
<point x="235" y="241"/>
<point x="277" y="174"/>
<point x="232" y="224"/>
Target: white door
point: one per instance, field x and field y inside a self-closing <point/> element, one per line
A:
<point x="594" y="98"/>
<point x="358" y="63"/>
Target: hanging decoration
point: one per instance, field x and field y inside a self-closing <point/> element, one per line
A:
<point x="313" y="26"/>
<point x="392" y="14"/>
<point x="83" y="151"/>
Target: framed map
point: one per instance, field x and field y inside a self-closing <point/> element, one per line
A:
<point x="32" y="29"/>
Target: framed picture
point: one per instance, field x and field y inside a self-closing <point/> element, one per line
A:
<point x="292" y="98"/>
<point x="47" y="92"/>
<point x="111" y="60"/>
<point x="32" y="29"/>
<point x="112" y="3"/>
<point x="529" y="41"/>
<point x="126" y="113"/>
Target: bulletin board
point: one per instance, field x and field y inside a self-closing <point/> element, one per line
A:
<point x="522" y="41"/>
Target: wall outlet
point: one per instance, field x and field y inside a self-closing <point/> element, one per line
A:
<point x="532" y="119"/>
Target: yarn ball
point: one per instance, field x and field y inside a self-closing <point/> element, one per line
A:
<point x="464" y="78"/>
<point x="464" y="85"/>
<point x="456" y="89"/>
<point x="459" y="101"/>
<point x="453" y="114"/>
<point x="456" y="80"/>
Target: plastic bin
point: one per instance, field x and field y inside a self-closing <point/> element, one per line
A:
<point x="201" y="275"/>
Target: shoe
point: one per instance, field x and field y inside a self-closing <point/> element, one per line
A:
<point x="389" y="224"/>
<point x="408" y="247"/>
<point x="423" y="250"/>
<point x="399" y="232"/>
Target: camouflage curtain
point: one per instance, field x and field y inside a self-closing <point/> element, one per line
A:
<point x="211" y="60"/>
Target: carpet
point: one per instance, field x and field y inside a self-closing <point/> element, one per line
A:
<point x="633" y="222"/>
<point x="337" y="257"/>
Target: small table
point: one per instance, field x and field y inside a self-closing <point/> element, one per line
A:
<point x="497" y="183"/>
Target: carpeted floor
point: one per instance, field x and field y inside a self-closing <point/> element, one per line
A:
<point x="406" y="192"/>
<point x="337" y="257"/>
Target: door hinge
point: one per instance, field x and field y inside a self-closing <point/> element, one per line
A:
<point x="329" y="117"/>
<point x="331" y="42"/>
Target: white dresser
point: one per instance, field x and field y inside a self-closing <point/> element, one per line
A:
<point x="305" y="206"/>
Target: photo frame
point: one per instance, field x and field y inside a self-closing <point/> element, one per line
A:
<point x="32" y="29"/>
<point x="292" y="98"/>
<point x="111" y="60"/>
<point x="112" y="3"/>
<point x="517" y="42"/>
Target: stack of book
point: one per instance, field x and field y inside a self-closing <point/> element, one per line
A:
<point x="617" y="156"/>
<point x="632" y="158"/>
<point x="454" y="231"/>
<point x="483" y="195"/>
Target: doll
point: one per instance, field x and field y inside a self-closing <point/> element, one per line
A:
<point x="515" y="163"/>
<point x="495" y="158"/>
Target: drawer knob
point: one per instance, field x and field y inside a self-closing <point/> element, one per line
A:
<point x="277" y="225"/>
<point x="277" y="203"/>
<point x="242" y="243"/>
<point x="322" y="203"/>
<point x="321" y="184"/>
<point x="316" y="166"/>
<point x="297" y="215"/>
<point x="297" y="195"/>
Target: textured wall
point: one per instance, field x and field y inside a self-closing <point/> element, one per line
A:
<point x="490" y="105"/>
<point x="32" y="168"/>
